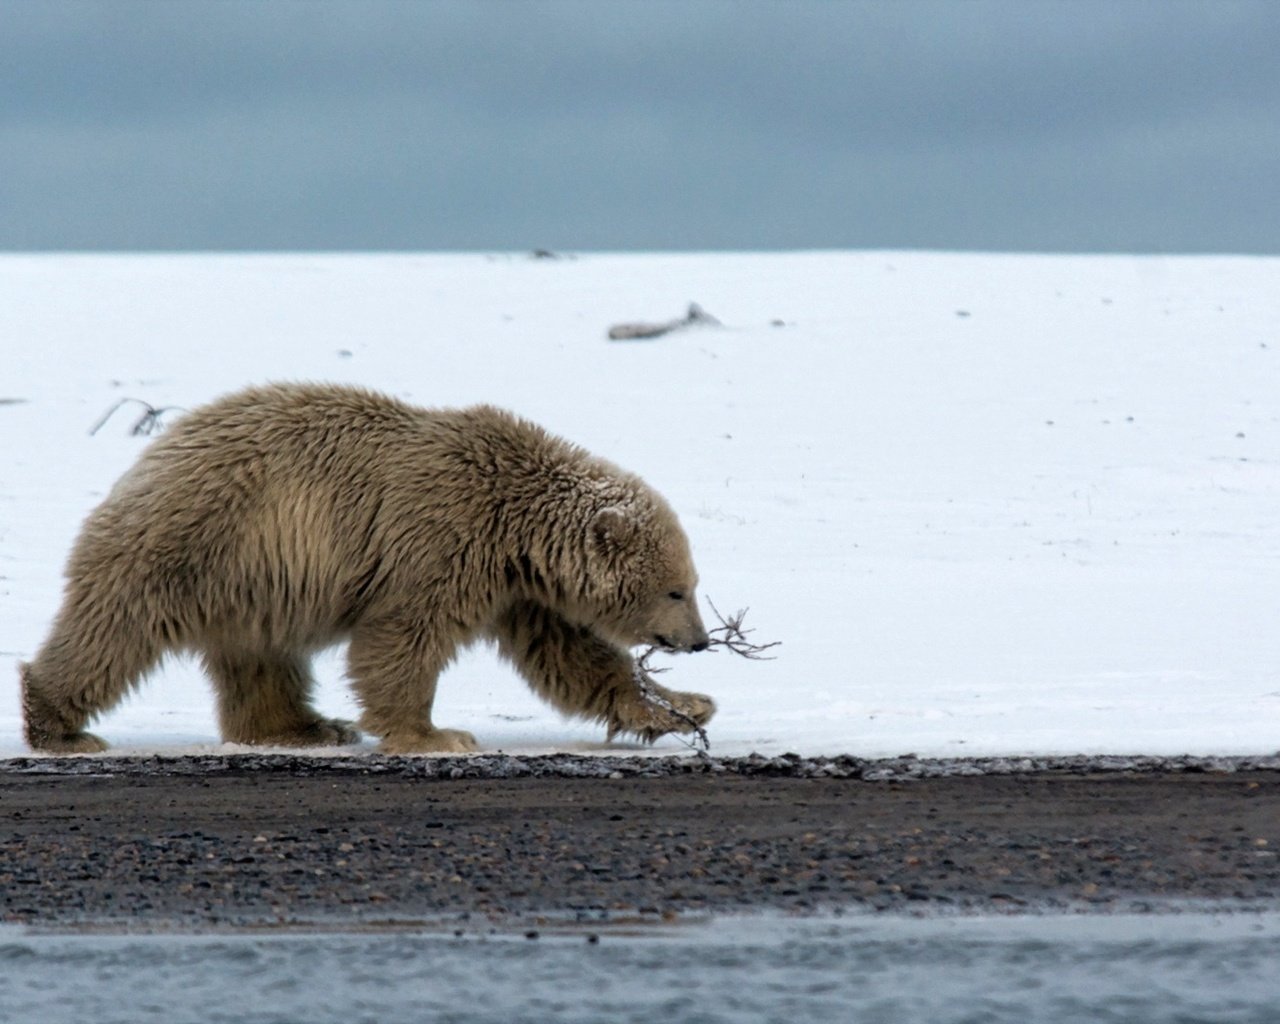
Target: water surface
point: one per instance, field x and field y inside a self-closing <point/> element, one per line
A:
<point x="1136" y="969"/>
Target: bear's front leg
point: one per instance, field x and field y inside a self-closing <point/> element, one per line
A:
<point x="394" y="664"/>
<point x="582" y="674"/>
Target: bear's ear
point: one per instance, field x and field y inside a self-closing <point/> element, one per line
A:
<point x="611" y="529"/>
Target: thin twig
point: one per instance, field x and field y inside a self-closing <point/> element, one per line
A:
<point x="731" y="636"/>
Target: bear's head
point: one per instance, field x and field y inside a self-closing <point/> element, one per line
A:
<point x="642" y="583"/>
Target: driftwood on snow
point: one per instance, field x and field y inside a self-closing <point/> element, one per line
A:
<point x="696" y="316"/>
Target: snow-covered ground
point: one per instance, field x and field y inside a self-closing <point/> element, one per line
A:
<point x="989" y="504"/>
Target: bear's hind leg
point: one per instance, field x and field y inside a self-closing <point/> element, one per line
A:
<point x="94" y="653"/>
<point x="51" y="727"/>
<point x="264" y="700"/>
<point x="581" y="674"/>
<point x="394" y="671"/>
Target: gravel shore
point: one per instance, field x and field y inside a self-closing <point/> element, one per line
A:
<point x="259" y="840"/>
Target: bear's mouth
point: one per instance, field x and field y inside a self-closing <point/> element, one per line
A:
<point x="664" y="643"/>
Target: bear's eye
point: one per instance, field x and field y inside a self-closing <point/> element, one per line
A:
<point x="676" y="595"/>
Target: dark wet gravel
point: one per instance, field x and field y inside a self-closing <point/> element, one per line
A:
<point x="261" y="839"/>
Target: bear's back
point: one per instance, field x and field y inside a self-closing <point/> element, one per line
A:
<point x="286" y="507"/>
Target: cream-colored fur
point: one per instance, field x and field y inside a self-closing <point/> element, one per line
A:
<point x="283" y="519"/>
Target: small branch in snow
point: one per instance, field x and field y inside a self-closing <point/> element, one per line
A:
<point x="696" y="316"/>
<point x="147" y="423"/>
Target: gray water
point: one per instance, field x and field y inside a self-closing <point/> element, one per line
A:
<point x="1139" y="969"/>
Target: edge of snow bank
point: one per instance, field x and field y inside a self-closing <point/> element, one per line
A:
<point x="575" y="766"/>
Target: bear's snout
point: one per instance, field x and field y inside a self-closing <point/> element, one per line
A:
<point x="698" y="642"/>
<point x="696" y="634"/>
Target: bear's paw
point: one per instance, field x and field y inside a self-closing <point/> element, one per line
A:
<point x="320" y="732"/>
<point x="429" y="741"/>
<point x="70" y="743"/>
<point x="650" y="717"/>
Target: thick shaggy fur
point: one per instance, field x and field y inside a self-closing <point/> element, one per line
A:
<point x="283" y="519"/>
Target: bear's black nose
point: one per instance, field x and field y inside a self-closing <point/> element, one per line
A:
<point x="700" y="647"/>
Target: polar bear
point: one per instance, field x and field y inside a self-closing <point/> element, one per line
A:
<point x="282" y="519"/>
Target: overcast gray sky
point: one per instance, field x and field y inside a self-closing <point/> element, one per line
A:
<point x="1093" y="125"/>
